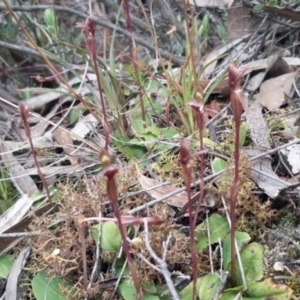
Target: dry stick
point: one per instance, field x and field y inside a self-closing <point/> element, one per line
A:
<point x="97" y="254"/>
<point x="20" y="234"/>
<point x="163" y="265"/>
<point x="166" y="54"/>
<point x="23" y="49"/>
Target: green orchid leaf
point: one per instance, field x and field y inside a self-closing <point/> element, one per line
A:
<point x="218" y="164"/>
<point x="208" y="286"/>
<point x="110" y="236"/>
<point x="47" y="287"/>
<point x="6" y="263"/>
<point x="242" y="239"/>
<point x="267" y="288"/>
<point x="218" y="228"/>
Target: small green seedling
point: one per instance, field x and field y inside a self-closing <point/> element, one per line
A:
<point x="50" y="20"/>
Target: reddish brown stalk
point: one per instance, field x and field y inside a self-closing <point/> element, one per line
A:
<point x="110" y="172"/>
<point x="238" y="103"/>
<point x="185" y="158"/>
<point x="24" y="112"/>
<point x="190" y="31"/>
<point x="80" y="227"/>
<point x="89" y="30"/>
<point x="201" y="120"/>
<point x="134" y="57"/>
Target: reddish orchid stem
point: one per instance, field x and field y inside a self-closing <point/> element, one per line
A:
<point x="193" y="244"/>
<point x="112" y="193"/>
<point x="233" y="198"/>
<point x="127" y="16"/>
<point x="83" y="250"/>
<point x="24" y="112"/>
<point x="201" y="155"/>
<point x="132" y="269"/>
<point x="134" y="56"/>
<point x="185" y="162"/>
<point x="89" y="30"/>
<point x="238" y="103"/>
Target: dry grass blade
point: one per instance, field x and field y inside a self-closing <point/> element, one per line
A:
<point x="13" y="278"/>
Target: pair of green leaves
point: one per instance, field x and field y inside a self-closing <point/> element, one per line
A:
<point x="50" y="20"/>
<point x="252" y="257"/>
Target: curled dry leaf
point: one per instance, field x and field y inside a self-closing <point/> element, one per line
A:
<point x="178" y="200"/>
<point x="239" y="23"/>
<point x="292" y="155"/>
<point x="64" y="139"/>
<point x="210" y="3"/>
<point x="271" y="94"/>
<point x="271" y="185"/>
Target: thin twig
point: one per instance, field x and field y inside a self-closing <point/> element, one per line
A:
<point x="162" y="263"/>
<point x="209" y="245"/>
<point x="20" y="234"/>
<point x="236" y="246"/>
<point x="221" y="286"/>
<point x="95" y="268"/>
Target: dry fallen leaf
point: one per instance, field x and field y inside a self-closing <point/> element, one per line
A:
<point x="239" y="23"/>
<point x="275" y="66"/>
<point x="210" y="3"/>
<point x="210" y="61"/>
<point x="263" y="63"/>
<point x="271" y="94"/>
<point x="178" y="200"/>
<point x="64" y="139"/>
<point x="285" y="12"/>
<point x="292" y="155"/>
<point x="262" y="172"/>
<point x="18" y="174"/>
